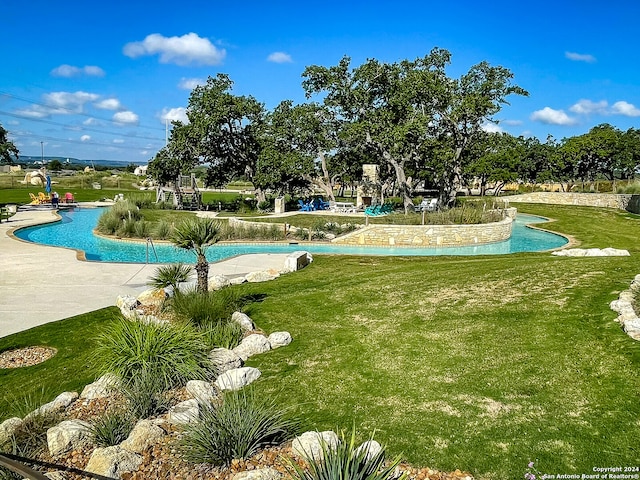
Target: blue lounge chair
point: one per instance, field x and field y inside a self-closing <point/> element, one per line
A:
<point x="305" y="207"/>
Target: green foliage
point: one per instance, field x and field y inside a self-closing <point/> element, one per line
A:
<point x="223" y="335"/>
<point x="632" y="188"/>
<point x="170" y="354"/>
<point x="345" y="461"/>
<point x="145" y="393"/>
<point x="121" y="219"/>
<point x="170" y="276"/>
<point x="205" y="309"/>
<point x="112" y="428"/>
<point x="162" y="230"/>
<point x="237" y="429"/>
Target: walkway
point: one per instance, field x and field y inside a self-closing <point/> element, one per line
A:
<point x="40" y="284"/>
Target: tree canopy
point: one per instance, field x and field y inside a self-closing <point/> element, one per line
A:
<point x="8" y="150"/>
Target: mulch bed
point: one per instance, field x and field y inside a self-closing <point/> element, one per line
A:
<point x="26" y="357"/>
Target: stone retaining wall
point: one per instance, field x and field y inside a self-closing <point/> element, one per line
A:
<point x="429" y="235"/>
<point x="605" y="200"/>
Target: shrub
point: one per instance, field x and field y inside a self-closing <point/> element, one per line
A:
<point x="346" y="462"/>
<point x="205" y="309"/>
<point x="223" y="335"/>
<point x="145" y="394"/>
<point x="162" y="230"/>
<point x="112" y="428"/>
<point x="141" y="229"/>
<point x="171" y="355"/>
<point x="237" y="429"/>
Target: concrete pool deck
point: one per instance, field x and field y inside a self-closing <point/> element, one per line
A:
<point x="41" y="284"/>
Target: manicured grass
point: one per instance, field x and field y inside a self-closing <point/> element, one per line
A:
<point x="479" y="363"/>
<point x="69" y="370"/>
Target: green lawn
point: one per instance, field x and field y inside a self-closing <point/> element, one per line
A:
<point x="479" y="363"/>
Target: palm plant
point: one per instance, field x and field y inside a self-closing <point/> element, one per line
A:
<point x="170" y="276"/>
<point x="198" y="234"/>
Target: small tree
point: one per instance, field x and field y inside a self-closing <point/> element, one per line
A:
<point x="7" y="147"/>
<point x="198" y="234"/>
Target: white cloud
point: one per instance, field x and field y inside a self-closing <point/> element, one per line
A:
<point x="85" y="138"/>
<point x="184" y="50"/>
<point x="144" y="152"/>
<point x="279" y="57"/>
<point x="34" y="112"/>
<point x="127" y="118"/>
<point x="586" y="107"/>
<point x="69" y="102"/>
<point x="190" y="83"/>
<point x="491" y="127"/>
<point x="118" y="140"/>
<point x="71" y="71"/>
<point x="552" y="117"/>
<point x="580" y="57"/>
<point x="625" y="108"/>
<point x="171" y="114"/>
<point x="91" y="121"/>
<point x="512" y="123"/>
<point x="109" y="104"/>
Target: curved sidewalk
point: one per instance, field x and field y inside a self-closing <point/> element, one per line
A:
<point x="40" y="284"/>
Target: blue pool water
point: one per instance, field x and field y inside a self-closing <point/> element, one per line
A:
<point x="75" y="230"/>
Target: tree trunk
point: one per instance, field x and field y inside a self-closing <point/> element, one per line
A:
<point x="202" y="269"/>
<point x="401" y="180"/>
<point x="260" y="195"/>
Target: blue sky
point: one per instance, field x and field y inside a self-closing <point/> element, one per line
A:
<point x="96" y="80"/>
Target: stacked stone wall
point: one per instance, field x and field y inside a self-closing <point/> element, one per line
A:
<point x="604" y="200"/>
<point x="429" y="235"/>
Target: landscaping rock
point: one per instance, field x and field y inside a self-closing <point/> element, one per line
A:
<point x="152" y="297"/>
<point x="58" y="404"/>
<point x="184" y="412"/>
<point x="243" y="320"/>
<point x="112" y="462"/>
<point x="218" y="282"/>
<point x="237" y="378"/>
<point x="591" y="252"/>
<point x="371" y="447"/>
<point x="224" y="360"/>
<point x="237" y="280"/>
<point x="8" y="428"/>
<point x="127" y="305"/>
<point x="253" y="344"/>
<point x="258" y="474"/>
<point x="67" y="435"/>
<point x="297" y="260"/>
<point x="103" y="387"/>
<point x="628" y="317"/>
<point x="143" y="435"/>
<point x="58" y="475"/>
<point x="262" y="276"/>
<point x="279" y="339"/>
<point x="309" y="445"/>
<point x="203" y="392"/>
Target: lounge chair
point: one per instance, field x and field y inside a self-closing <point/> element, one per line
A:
<point x="42" y="198"/>
<point x="305" y="207"/>
<point x="7" y="212"/>
<point x="68" y="198"/>
<point x="34" y="199"/>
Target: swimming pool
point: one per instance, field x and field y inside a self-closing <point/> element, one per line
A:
<point x="75" y="230"/>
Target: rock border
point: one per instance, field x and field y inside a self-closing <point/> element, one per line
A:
<point x="627" y="316"/>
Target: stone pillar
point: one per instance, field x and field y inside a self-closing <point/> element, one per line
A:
<point x="279" y="205"/>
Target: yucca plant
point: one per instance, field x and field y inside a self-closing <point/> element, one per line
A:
<point x="171" y="354"/>
<point x="237" y="429"/>
<point x="345" y="461"/>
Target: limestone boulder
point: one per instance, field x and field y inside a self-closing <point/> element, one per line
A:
<point x="154" y="297"/>
<point x="311" y="445"/>
<point x="113" y="462"/>
<point x="184" y="412"/>
<point x="224" y="360"/>
<point x="57" y="405"/>
<point x="258" y="474"/>
<point x="127" y="303"/>
<point x="203" y="392"/>
<point x="243" y="320"/>
<point x="250" y="345"/>
<point x="144" y="434"/>
<point x="297" y="260"/>
<point x="370" y="448"/>
<point x="262" y="276"/>
<point x="103" y="387"/>
<point x="68" y="435"/>
<point x="8" y="428"/>
<point x="237" y="378"/>
<point x="237" y="280"/>
<point x="279" y="339"/>
<point x="218" y="282"/>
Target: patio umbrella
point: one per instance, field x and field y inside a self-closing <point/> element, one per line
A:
<point x="48" y="187"/>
